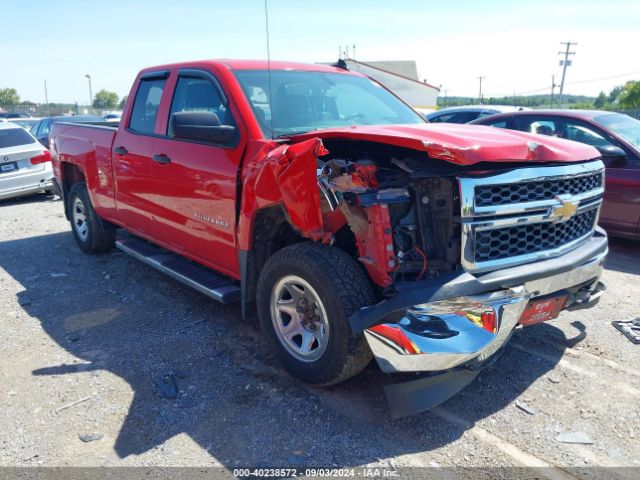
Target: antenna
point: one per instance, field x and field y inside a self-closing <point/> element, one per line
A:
<point x="266" y="20"/>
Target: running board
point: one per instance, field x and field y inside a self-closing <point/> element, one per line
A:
<point x="219" y="288"/>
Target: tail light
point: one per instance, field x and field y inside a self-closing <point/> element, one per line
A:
<point x="44" y="157"/>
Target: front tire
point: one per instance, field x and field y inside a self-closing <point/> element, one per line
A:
<point x="91" y="234"/>
<point x="306" y="293"/>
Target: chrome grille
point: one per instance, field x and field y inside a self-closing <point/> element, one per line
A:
<point x="509" y="242"/>
<point x="528" y="214"/>
<point x="487" y="195"/>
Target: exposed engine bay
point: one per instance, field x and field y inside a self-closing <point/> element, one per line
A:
<point x="402" y="208"/>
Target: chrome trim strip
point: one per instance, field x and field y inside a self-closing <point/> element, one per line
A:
<point x="531" y="206"/>
<point x="520" y="175"/>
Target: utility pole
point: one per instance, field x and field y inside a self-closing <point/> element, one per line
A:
<point x="353" y="55"/>
<point x="480" y="78"/>
<point x="553" y="87"/>
<point x="90" y="92"/>
<point x="565" y="63"/>
<point x="46" y="97"/>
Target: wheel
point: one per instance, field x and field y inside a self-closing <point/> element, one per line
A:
<point x="306" y="293"/>
<point x="91" y="234"/>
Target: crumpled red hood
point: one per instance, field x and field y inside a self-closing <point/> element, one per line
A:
<point x="466" y="144"/>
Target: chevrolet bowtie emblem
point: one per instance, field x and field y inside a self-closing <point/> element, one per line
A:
<point x="564" y="211"/>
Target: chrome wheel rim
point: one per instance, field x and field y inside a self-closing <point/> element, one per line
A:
<point x="299" y="318"/>
<point x="79" y="217"/>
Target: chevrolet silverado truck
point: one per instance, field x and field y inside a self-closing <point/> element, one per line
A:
<point x="340" y="219"/>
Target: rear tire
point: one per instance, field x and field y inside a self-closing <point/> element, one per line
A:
<point x="320" y="286"/>
<point x="91" y="234"/>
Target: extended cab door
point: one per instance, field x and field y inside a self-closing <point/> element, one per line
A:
<point x="195" y="182"/>
<point x="131" y="153"/>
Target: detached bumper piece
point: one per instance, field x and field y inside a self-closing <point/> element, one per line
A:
<point x="630" y="329"/>
<point x="450" y="337"/>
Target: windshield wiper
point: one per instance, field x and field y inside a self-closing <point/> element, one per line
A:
<point x="297" y="132"/>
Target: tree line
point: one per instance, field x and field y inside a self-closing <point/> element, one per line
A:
<point x="103" y="100"/>
<point x="621" y="97"/>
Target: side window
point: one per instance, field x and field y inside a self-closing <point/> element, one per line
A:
<point x="498" y="124"/>
<point x="486" y="113"/>
<point x="194" y="94"/>
<point x="34" y="130"/>
<point x="45" y="128"/>
<point x="540" y="126"/>
<point x="455" y="117"/>
<point x="145" y="106"/>
<point x="581" y="133"/>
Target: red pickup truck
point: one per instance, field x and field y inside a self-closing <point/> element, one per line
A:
<point x="336" y="215"/>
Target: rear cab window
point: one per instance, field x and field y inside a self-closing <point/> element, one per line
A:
<point x="145" y="106"/>
<point x="12" y="137"/>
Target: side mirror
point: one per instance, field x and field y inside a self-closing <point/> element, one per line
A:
<point x="611" y="152"/>
<point x="201" y="126"/>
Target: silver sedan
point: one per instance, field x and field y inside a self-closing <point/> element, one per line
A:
<point x="25" y="165"/>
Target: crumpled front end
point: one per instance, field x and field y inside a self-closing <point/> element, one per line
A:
<point x="451" y="338"/>
<point x="445" y="334"/>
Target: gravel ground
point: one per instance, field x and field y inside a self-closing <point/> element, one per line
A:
<point x="105" y="362"/>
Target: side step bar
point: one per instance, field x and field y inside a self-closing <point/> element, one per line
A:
<point x="222" y="289"/>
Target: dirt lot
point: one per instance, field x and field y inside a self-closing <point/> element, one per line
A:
<point x="157" y="374"/>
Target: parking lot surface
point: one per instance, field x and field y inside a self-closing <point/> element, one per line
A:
<point x="106" y="362"/>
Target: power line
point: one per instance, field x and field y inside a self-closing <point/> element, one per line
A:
<point x="576" y="82"/>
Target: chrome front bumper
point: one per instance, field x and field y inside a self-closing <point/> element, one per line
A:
<point x="446" y="333"/>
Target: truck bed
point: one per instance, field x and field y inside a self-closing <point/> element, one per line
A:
<point x="88" y="146"/>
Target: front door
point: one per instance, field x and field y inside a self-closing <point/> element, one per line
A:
<point x="196" y="182"/>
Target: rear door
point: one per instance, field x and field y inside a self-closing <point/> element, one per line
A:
<point x="132" y="163"/>
<point x="195" y="183"/>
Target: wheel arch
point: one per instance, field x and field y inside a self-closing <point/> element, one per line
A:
<point x="270" y="232"/>
<point x="71" y="174"/>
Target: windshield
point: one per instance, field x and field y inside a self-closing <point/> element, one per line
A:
<point x="11" y="137"/>
<point x="304" y="101"/>
<point x="624" y="125"/>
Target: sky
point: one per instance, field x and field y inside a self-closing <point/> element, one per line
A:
<point x="514" y="44"/>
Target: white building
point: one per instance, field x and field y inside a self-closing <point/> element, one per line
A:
<point x="401" y="77"/>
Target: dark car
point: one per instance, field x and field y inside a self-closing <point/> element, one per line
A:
<point x="468" y="113"/>
<point x="14" y="115"/>
<point x="615" y="135"/>
<point x="41" y="129"/>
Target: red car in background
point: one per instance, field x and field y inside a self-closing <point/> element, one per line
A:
<point x="615" y="135"/>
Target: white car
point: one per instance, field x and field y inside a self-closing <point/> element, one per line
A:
<point x="25" y="165"/>
<point x="112" y="117"/>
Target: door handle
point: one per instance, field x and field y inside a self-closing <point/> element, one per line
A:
<point x="162" y="159"/>
<point x="120" y="150"/>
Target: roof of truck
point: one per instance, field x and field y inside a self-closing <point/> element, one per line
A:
<point x="256" y="65"/>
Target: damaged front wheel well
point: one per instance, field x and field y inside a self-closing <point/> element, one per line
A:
<point x="271" y="232"/>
